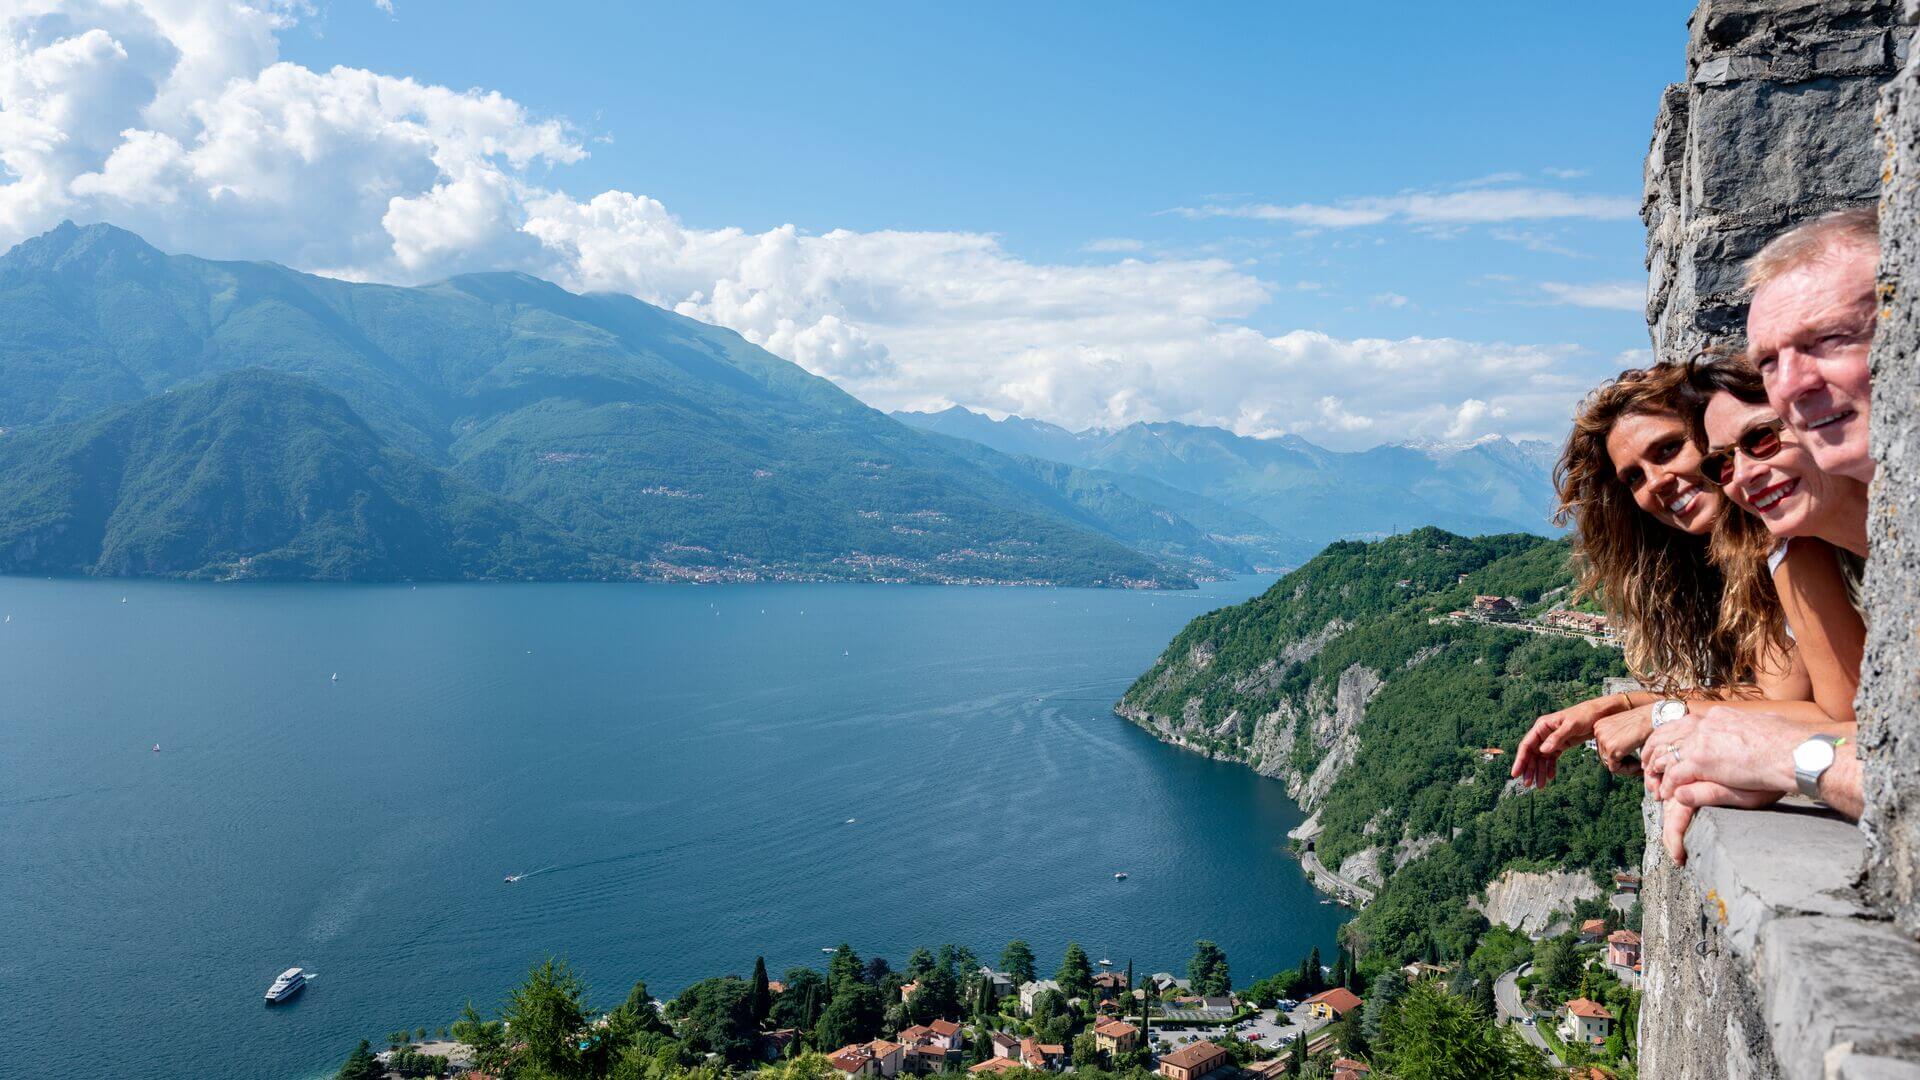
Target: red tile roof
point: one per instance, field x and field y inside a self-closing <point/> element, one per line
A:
<point x="945" y="1028"/>
<point x="1115" y="1029"/>
<point x="1193" y="1055"/>
<point x="1623" y="937"/>
<point x="995" y="1064"/>
<point x="1341" y="998"/>
<point x="1594" y="926"/>
<point x="917" y="1031"/>
<point x="1591" y="1009"/>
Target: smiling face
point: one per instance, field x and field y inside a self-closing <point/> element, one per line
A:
<point x="1787" y="491"/>
<point x="1660" y="466"/>
<point x="1809" y="331"/>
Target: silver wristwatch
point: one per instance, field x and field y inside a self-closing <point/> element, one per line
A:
<point x="1811" y="759"/>
<point x="1667" y="711"/>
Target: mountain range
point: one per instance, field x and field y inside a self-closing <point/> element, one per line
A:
<point x="168" y="415"/>
<point x="1305" y="493"/>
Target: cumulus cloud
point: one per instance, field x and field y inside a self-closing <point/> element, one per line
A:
<point x="1474" y="206"/>
<point x="1391" y="299"/>
<point x="1610" y="295"/>
<point x="179" y="120"/>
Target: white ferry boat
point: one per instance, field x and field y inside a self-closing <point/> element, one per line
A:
<point x="290" y="982"/>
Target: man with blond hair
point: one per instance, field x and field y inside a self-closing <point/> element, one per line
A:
<point x="1809" y="330"/>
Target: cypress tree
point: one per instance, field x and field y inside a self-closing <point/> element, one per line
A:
<point x="762" y="992"/>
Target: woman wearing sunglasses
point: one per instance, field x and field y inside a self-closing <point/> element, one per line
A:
<point x="1629" y="480"/>
<point x="1784" y="535"/>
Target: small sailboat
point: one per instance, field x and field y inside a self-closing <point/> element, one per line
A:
<point x="1105" y="963"/>
<point x="852" y="820"/>
<point x="336" y="677"/>
<point x="156" y="748"/>
<point x="123" y="599"/>
<point x="9" y="618"/>
<point x="1121" y="876"/>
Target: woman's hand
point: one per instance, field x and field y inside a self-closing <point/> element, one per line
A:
<point x="1619" y="737"/>
<point x="1538" y="758"/>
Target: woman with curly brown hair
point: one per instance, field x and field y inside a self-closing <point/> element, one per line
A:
<point x="1629" y="481"/>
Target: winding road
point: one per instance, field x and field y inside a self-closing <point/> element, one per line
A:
<point x="1506" y="1000"/>
<point x="1344" y="889"/>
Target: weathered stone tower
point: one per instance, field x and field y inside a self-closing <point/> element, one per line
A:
<point x="1787" y="948"/>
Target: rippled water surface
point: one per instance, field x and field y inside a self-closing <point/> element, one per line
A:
<point x="698" y="775"/>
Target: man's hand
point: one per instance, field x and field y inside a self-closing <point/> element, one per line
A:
<point x="1620" y="735"/>
<point x="1750" y="751"/>
<point x="1538" y="758"/>
<point x="1677" y="813"/>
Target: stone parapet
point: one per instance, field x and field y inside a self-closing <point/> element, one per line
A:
<point x="1763" y="961"/>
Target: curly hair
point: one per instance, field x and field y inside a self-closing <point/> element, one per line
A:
<point x="1658" y="584"/>
<point x="1750" y="613"/>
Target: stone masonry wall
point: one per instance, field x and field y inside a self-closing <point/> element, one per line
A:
<point x="1889" y="701"/>
<point x="1763" y="957"/>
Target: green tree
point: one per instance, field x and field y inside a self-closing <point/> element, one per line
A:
<point x="1076" y="972"/>
<point x="360" y="1065"/>
<point x="635" y="1015"/>
<point x="806" y="996"/>
<point x="548" y="1012"/>
<point x="854" y="1015"/>
<point x="762" y="991"/>
<point x="1387" y="991"/>
<point x="716" y="1016"/>
<point x="844" y="967"/>
<point x="1208" y="970"/>
<point x="1557" y="964"/>
<point x="984" y="1004"/>
<point x="487" y="1037"/>
<point x="919" y="962"/>
<point x="1436" y="1036"/>
<point x="1017" y="959"/>
<point x="937" y="998"/>
<point x="1086" y="1052"/>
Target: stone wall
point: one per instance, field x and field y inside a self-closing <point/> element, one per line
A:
<point x="1764" y="958"/>
<point x="1889" y="702"/>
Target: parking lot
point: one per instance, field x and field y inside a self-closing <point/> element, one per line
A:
<point x="1270" y="1024"/>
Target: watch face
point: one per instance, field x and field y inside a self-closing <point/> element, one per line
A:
<point x="1813" y="756"/>
<point x="1666" y="712"/>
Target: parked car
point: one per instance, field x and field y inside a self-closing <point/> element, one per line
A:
<point x="1255" y="1037"/>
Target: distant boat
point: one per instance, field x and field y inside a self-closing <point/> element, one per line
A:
<point x="1106" y="963"/>
<point x="123" y="599"/>
<point x="290" y="982"/>
<point x="1326" y="901"/>
<point x="852" y="820"/>
<point x="511" y="878"/>
<point x="156" y="748"/>
<point x="1120" y="876"/>
<point x="336" y="676"/>
<point x="824" y="948"/>
<point x="9" y="618"/>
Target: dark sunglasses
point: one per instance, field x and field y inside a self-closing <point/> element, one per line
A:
<point x="1757" y="443"/>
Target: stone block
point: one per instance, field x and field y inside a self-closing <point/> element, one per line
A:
<point x="1758" y="147"/>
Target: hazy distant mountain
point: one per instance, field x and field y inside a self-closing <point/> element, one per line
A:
<point x="1314" y="494"/>
<point x="255" y="474"/>
<point x="675" y="447"/>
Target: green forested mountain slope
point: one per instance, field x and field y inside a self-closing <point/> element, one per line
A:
<point x="640" y="433"/>
<point x="1337" y="681"/>
<point x="256" y="474"/>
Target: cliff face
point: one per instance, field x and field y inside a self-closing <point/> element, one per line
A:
<point x="1762" y="957"/>
<point x="1531" y="902"/>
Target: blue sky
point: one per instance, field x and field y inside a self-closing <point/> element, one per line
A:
<point x="1094" y="213"/>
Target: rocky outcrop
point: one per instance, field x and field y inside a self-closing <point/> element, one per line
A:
<point x="1531" y="903"/>
<point x="1337" y="732"/>
<point x="1363" y="866"/>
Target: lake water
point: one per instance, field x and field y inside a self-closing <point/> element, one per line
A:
<point x="691" y="776"/>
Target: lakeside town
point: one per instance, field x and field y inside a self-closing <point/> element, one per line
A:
<point x="1564" y="996"/>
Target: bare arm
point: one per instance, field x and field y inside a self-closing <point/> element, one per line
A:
<point x="1828" y="633"/>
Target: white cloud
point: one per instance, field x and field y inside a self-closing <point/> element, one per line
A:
<point x="1611" y="295"/>
<point x="1391" y="299"/>
<point x="1113" y="244"/>
<point x="1474" y="206"/>
<point x="178" y="120"/>
<point x="1565" y="174"/>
